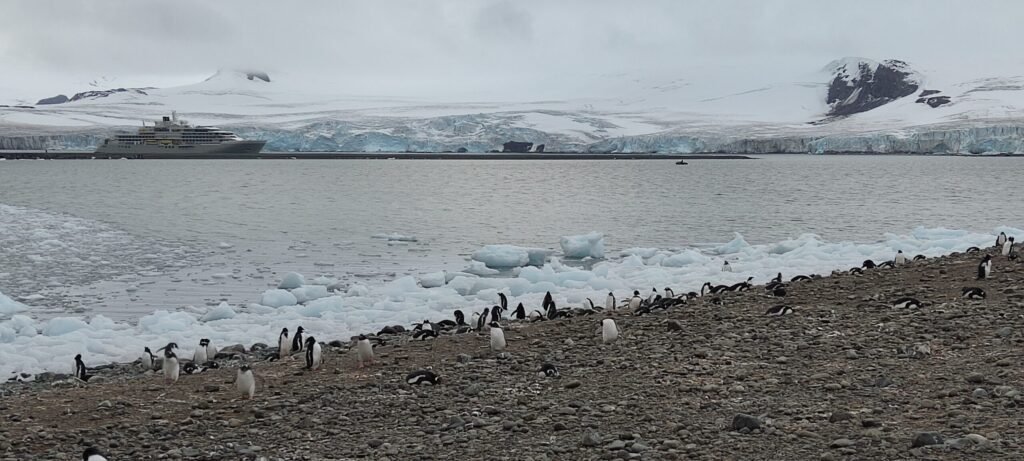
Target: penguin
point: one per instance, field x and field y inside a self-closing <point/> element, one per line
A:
<point x="920" y="258"/>
<point x="482" y="320"/>
<point x="1008" y="246"/>
<point x="588" y="304"/>
<point x="779" y="291"/>
<point x="742" y="286"/>
<point x="389" y="330"/>
<point x="801" y="278"/>
<point x="148" y="359"/>
<point x="609" y="302"/>
<point x="297" y="342"/>
<point x="609" y="333"/>
<point x="778" y="311"/>
<point x="191" y="368"/>
<point x="634" y="302"/>
<point x="497" y="338"/>
<point x="422" y="377"/>
<point x="211" y="351"/>
<point x="778" y="278"/>
<point x="900" y="258"/>
<point x="886" y="265"/>
<point x="868" y="264"/>
<point x="548" y="301"/>
<point x="284" y="346"/>
<point x="424" y="334"/>
<point x="80" y="371"/>
<point x="460" y="318"/>
<point x="520" y="312"/>
<point x="906" y="303"/>
<point x="314" y="354"/>
<point x="669" y="293"/>
<point x="705" y="289"/>
<point x="92" y="454"/>
<point x="972" y="293"/>
<point x="717" y="301"/>
<point x="200" y="354"/>
<point x="245" y="382"/>
<point x="726" y="267"/>
<point x="985" y="268"/>
<point x="856" y="271"/>
<point x="654" y="294"/>
<point x="536" y="316"/>
<point x="170" y="366"/>
<point x="474" y="319"/>
<point x="549" y="371"/>
<point x="972" y="250"/>
<point x="496" y="313"/>
<point x="364" y="351"/>
<point x="503" y="301"/>
<point x="1001" y="239"/>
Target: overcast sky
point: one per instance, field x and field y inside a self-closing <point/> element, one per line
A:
<point x="439" y="46"/>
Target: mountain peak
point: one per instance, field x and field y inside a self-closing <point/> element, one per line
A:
<point x="253" y="75"/>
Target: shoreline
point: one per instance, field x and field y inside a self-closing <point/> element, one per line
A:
<point x="62" y="155"/>
<point x="843" y="376"/>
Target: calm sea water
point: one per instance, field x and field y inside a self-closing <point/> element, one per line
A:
<point x="200" y="232"/>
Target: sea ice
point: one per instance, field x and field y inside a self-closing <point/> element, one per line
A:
<point x="221" y="312"/>
<point x="292" y="280"/>
<point x="278" y="298"/>
<point x="583" y="246"/>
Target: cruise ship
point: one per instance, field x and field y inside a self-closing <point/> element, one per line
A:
<point x="171" y="137"/>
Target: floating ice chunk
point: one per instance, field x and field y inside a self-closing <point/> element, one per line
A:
<point x="502" y="256"/>
<point x="63" y="325"/>
<point x="292" y="280"/>
<point x="646" y="253"/>
<point x="434" y="279"/>
<point x="583" y="246"/>
<point x="395" y="237"/>
<point x="221" y="312"/>
<point x="480" y="269"/>
<point x="33" y="297"/>
<point x="224" y="245"/>
<point x="736" y="245"/>
<point x="308" y="293"/>
<point x="322" y="306"/>
<point x="163" y="322"/>
<point x="9" y="306"/>
<point x="685" y="258"/>
<point x="278" y="298"/>
<point x="325" y="281"/>
<point x="358" y="290"/>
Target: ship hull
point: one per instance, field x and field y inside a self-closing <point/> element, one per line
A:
<point x="170" y="151"/>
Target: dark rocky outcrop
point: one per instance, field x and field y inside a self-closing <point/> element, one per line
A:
<point x="59" y="99"/>
<point x="864" y="85"/>
<point x="462" y="150"/>
<point x="517" y="147"/>
<point x="104" y="93"/>
<point x="934" y="101"/>
<point x="540" y="148"/>
<point x="929" y="92"/>
<point x="260" y="75"/>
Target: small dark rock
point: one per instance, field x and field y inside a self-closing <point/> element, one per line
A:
<point x="742" y="421"/>
<point x="922" y="439"/>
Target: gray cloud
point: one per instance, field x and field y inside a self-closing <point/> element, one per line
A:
<point x="486" y="46"/>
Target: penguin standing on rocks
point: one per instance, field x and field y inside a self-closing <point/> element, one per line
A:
<point x="148" y="359"/>
<point x="669" y="293"/>
<point x="364" y="351"/>
<point x="654" y="294"/>
<point x="900" y="259"/>
<point x="496" y="313"/>
<point x="422" y="377"/>
<point x="460" y="318"/>
<point x="520" y="312"/>
<point x="482" y="320"/>
<point x="777" y="279"/>
<point x="284" y="345"/>
<point x="609" y="302"/>
<point x="503" y="302"/>
<point x="92" y="454"/>
<point x="985" y="268"/>
<point x="1008" y="247"/>
<point x="211" y="351"/>
<point x="245" y="382"/>
<point x="80" y="371"/>
<point x="200" y="355"/>
<point x="634" y="302"/>
<point x="314" y="353"/>
<point x="609" y="332"/>
<point x="170" y="367"/>
<point x="497" y="338"/>
<point x="297" y="340"/>
<point x="1001" y="239"/>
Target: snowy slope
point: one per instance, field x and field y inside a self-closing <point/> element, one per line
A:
<point x="739" y="111"/>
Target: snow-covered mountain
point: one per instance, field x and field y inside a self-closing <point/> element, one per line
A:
<point x="850" y="105"/>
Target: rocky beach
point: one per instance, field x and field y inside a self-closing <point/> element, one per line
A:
<point x="845" y="376"/>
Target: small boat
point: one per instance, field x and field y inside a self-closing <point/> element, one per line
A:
<point x="682" y="162"/>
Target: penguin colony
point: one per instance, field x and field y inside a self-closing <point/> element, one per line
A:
<point x="492" y="318"/>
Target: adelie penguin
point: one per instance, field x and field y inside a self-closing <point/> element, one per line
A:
<point x="777" y="311"/>
<point x="284" y="345"/>
<point x="170" y="366"/>
<point x="245" y="382"/>
<point x="609" y="332"/>
<point x="669" y="293"/>
<point x="972" y="293"/>
<point x="297" y="342"/>
<point x="609" y="301"/>
<point x="200" y="357"/>
<point x="906" y="303"/>
<point x="80" y="371"/>
<point x="634" y="302"/>
<point x="1001" y="239"/>
<point x="985" y="268"/>
<point x="93" y="454"/>
<point x="1008" y="246"/>
<point x="314" y="354"/>
<point x="497" y="338"/>
<point x="364" y="351"/>
<point x="148" y="359"/>
<point x="900" y="258"/>
<point x="422" y="377"/>
<point x="549" y="371"/>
